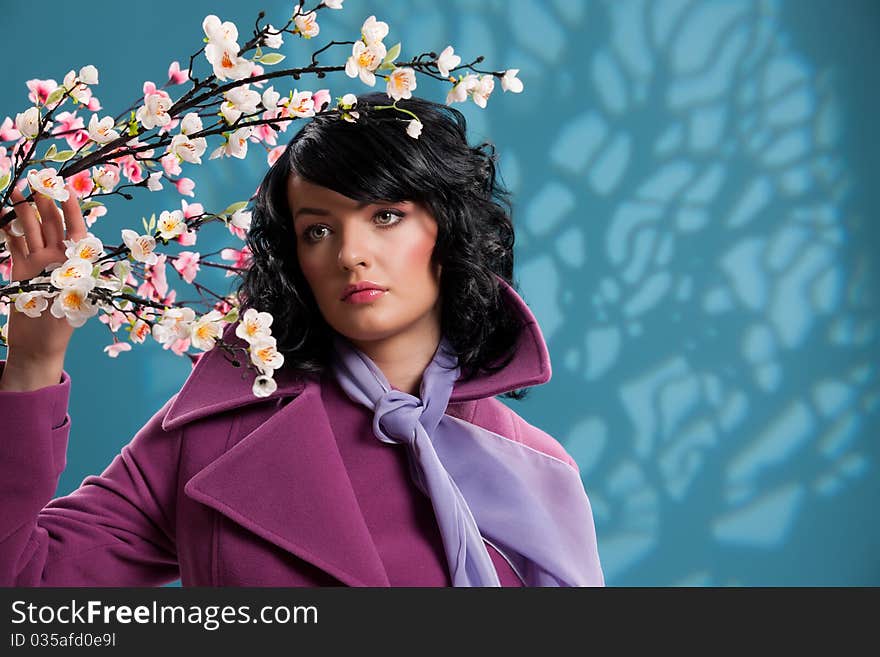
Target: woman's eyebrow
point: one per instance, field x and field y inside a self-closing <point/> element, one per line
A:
<point x="323" y="212"/>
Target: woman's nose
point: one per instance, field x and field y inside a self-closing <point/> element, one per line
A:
<point x="354" y="248"/>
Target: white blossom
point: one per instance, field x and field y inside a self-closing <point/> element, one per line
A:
<point x="48" y="183"/>
<point x="219" y="32"/>
<point x="461" y="89"/>
<point x="265" y="355"/>
<point x="401" y="83"/>
<point x="190" y="123"/>
<point x="31" y="304"/>
<point x="28" y="122"/>
<point x="171" y="224"/>
<point x="254" y="325"/>
<point x="374" y="31"/>
<point x="270" y="98"/>
<point x="307" y="24"/>
<point x="106" y="177"/>
<point x="142" y="247"/>
<point x="273" y="40"/>
<point x="74" y="304"/>
<point x="154" y="182"/>
<point x="154" y="111"/>
<point x="482" y="89"/>
<point x="241" y="219"/>
<point x="188" y="150"/>
<point x="207" y="330"/>
<point x="447" y="60"/>
<point x="88" y="248"/>
<point x="364" y="60"/>
<point x="414" y="128"/>
<point x="509" y="81"/>
<point x="264" y="386"/>
<point x="74" y="272"/>
<point x="102" y="130"/>
<point x="88" y="74"/>
<point x="176" y="324"/>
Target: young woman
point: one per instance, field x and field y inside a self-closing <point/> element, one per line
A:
<point x="383" y="458"/>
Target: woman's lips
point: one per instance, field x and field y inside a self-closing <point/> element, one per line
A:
<point x="364" y="296"/>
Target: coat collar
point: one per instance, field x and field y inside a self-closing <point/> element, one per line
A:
<point x="294" y="490"/>
<point x="215" y="385"/>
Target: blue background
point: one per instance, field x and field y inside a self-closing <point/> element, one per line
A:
<point x="695" y="196"/>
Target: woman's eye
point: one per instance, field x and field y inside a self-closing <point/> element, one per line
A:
<point x="313" y="233"/>
<point x="388" y="217"/>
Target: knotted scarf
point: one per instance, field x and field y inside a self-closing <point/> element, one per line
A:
<point x="531" y="506"/>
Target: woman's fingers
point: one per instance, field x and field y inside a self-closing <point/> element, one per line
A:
<point x="73" y="218"/>
<point x="50" y="216"/>
<point x="28" y="221"/>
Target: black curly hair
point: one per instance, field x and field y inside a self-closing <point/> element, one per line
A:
<point x="370" y="159"/>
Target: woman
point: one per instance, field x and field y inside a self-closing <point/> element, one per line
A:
<point x="382" y="458"/>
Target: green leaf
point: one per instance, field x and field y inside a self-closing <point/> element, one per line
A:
<point x="146" y="227"/>
<point x="127" y="289"/>
<point x="392" y="54"/>
<point x="88" y="205"/>
<point x="235" y="207"/>
<point x="62" y="156"/>
<point x="49" y="153"/>
<point x="4" y="180"/>
<point x="55" y="96"/>
<point x="270" y="58"/>
<point x="231" y="316"/>
<point x="152" y="223"/>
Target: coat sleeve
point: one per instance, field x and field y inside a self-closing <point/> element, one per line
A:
<point x="116" y="529"/>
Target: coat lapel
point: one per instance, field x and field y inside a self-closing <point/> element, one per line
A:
<point x="287" y="483"/>
<point x="286" y="480"/>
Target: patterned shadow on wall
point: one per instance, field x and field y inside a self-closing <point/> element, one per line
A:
<point x="683" y="217"/>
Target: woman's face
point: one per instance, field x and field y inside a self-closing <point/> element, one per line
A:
<point x="341" y="242"/>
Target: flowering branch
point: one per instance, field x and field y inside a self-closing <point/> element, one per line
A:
<point x="148" y="144"/>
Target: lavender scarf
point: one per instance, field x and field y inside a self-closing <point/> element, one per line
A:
<point x="529" y="505"/>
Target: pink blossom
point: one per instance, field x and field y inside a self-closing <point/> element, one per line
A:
<point x="77" y="139"/>
<point x="94" y="104"/>
<point x="176" y="75"/>
<point x="191" y="210"/>
<point x="321" y="98"/>
<point x="188" y="238"/>
<point x="6" y="270"/>
<point x="264" y="133"/>
<point x="82" y="183"/>
<point x="257" y="70"/>
<point x="94" y="213"/>
<point x="131" y="168"/>
<point x="185" y="186"/>
<point x="187" y="264"/>
<point x="40" y="90"/>
<point x="179" y="346"/>
<point x="115" y="319"/>
<point x="223" y="306"/>
<point x="5" y="162"/>
<point x="68" y="121"/>
<point x="113" y="350"/>
<point x="171" y="164"/>
<point x="169" y="126"/>
<point x="24" y="147"/>
<point x="240" y="258"/>
<point x="155" y="285"/>
<point x="8" y="132"/>
<point x="274" y="154"/>
<point x="238" y="232"/>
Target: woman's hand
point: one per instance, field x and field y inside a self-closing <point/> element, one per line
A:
<point x="37" y="345"/>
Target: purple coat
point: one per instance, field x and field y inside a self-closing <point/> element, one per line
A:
<point x="221" y="488"/>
